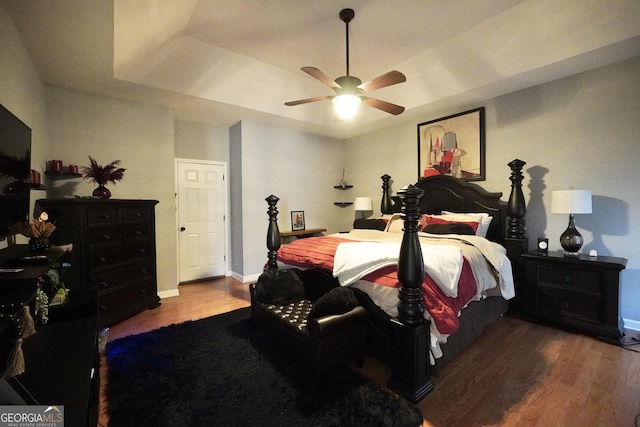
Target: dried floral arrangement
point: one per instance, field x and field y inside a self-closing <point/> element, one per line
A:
<point x="103" y="174"/>
<point x="37" y="228"/>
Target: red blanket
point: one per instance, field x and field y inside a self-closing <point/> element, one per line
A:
<point x="318" y="252"/>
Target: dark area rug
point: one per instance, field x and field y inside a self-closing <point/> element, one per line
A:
<point x="223" y="371"/>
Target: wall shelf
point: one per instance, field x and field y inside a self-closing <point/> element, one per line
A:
<point x="343" y="204"/>
<point x="62" y="175"/>
<point x="340" y="187"/>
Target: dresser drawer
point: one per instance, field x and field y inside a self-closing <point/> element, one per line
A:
<point x="137" y="295"/>
<point x="137" y="231"/>
<point x="136" y="214"/>
<point x="574" y="278"/>
<point x="104" y="235"/>
<point x="105" y="256"/>
<point x="121" y="276"/>
<point x="569" y="304"/>
<point x="103" y="215"/>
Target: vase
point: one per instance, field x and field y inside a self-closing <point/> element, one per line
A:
<point x="101" y="192"/>
<point x="39" y="244"/>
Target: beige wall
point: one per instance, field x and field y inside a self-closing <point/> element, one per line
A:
<point x="579" y="132"/>
<point x="141" y="136"/>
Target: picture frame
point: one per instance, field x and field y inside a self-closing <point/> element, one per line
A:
<point x="453" y="145"/>
<point x="297" y="220"/>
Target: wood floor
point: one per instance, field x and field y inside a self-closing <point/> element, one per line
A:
<point x="516" y="373"/>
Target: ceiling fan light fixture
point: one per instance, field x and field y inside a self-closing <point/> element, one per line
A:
<point x="346" y="106"/>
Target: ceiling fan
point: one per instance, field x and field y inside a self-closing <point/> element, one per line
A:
<point x="350" y="89"/>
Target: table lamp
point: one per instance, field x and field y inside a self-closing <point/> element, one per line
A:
<point x="571" y="202"/>
<point x="363" y="204"/>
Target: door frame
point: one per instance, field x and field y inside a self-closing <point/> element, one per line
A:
<point x="227" y="261"/>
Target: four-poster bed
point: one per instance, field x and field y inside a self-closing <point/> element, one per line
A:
<point x="403" y="339"/>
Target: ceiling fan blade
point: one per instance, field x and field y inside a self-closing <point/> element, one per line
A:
<point x="306" y="101"/>
<point x="314" y="72"/>
<point x="383" y="105"/>
<point x="387" y="79"/>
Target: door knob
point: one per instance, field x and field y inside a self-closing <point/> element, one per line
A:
<point x="182" y="228"/>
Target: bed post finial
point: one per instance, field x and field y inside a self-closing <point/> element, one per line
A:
<point x="516" y="209"/>
<point x="385" y="204"/>
<point x="410" y="261"/>
<point x="273" y="233"/>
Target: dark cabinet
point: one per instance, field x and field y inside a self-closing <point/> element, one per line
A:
<point x="60" y="360"/>
<point x="581" y="292"/>
<point x="114" y="249"/>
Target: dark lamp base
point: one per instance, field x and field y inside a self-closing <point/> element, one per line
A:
<point x="571" y="240"/>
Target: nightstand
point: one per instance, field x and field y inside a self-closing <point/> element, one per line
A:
<point x="580" y="292"/>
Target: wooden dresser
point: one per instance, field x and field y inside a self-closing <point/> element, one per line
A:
<point x="580" y="292"/>
<point x="114" y="252"/>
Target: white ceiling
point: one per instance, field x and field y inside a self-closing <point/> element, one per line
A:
<point x="221" y="61"/>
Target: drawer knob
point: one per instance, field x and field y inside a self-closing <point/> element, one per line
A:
<point x="105" y="216"/>
<point x="566" y="304"/>
<point x="102" y="260"/>
<point x="103" y="308"/>
<point x="143" y="271"/>
<point x="106" y="237"/>
<point x="143" y="292"/>
<point x="567" y="279"/>
<point x="137" y="214"/>
<point x="104" y="284"/>
<point x="143" y="251"/>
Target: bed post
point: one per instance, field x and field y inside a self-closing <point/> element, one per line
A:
<point x="273" y="233"/>
<point x="516" y="241"/>
<point x="385" y="204"/>
<point x="410" y="373"/>
<point x="516" y="209"/>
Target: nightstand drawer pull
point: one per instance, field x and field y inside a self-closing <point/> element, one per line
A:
<point x="567" y="279"/>
<point x="566" y="304"/>
<point x="102" y="260"/>
<point x="105" y="216"/>
<point x="104" y="284"/>
<point x="106" y="237"/>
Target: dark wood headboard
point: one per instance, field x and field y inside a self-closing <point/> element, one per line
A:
<point x="446" y="193"/>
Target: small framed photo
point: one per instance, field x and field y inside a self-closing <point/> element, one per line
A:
<point x="297" y="220"/>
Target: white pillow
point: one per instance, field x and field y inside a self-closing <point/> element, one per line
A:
<point x="483" y="219"/>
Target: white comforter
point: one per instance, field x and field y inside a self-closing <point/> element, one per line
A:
<point x="442" y="261"/>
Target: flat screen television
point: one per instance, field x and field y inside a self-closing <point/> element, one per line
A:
<point x="15" y="165"/>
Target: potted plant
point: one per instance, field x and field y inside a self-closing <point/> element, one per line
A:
<point x="101" y="175"/>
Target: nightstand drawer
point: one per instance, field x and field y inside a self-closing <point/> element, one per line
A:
<point x="569" y="304"/>
<point x="578" y="279"/>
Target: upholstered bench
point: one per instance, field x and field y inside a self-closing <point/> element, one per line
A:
<point x="310" y="317"/>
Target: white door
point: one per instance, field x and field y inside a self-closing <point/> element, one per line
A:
<point x="201" y="194"/>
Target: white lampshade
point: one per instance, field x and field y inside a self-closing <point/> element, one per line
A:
<point x="346" y="105"/>
<point x="571" y="201"/>
<point x="363" y="204"/>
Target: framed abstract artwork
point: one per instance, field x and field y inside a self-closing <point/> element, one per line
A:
<point x="453" y="145"/>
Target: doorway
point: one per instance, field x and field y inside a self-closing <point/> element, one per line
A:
<point x="201" y="193"/>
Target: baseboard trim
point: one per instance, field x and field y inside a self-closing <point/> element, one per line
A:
<point x="169" y="294"/>
<point x="633" y="325"/>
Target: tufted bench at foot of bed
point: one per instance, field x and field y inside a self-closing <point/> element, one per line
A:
<point x="321" y="343"/>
